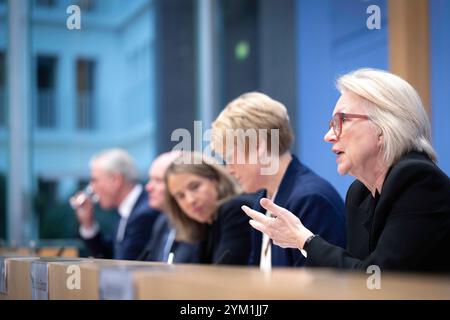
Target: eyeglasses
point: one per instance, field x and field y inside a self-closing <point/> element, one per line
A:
<point x="340" y="117"/>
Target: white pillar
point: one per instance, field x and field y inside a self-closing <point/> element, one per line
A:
<point x="21" y="227"/>
<point x="205" y="62"/>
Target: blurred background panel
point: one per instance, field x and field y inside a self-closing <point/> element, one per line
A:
<point x="138" y="70"/>
<point x="4" y="137"/>
<point x="91" y="89"/>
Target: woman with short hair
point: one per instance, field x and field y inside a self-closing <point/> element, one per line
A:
<point x="398" y="209"/>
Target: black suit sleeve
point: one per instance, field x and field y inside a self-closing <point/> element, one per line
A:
<point x="416" y="230"/>
<point x="233" y="240"/>
<point x="137" y="235"/>
<point x="406" y="243"/>
<point x="99" y="246"/>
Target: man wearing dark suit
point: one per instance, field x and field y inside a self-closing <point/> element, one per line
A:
<point x="278" y="172"/>
<point x="162" y="241"/>
<point x="114" y="181"/>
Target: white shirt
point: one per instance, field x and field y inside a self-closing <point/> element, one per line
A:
<point x="265" y="262"/>
<point x="125" y="208"/>
<point x="169" y="243"/>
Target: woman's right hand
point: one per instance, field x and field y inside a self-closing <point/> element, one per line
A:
<point x="283" y="227"/>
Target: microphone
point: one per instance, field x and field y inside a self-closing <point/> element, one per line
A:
<point x="223" y="259"/>
<point x="87" y="193"/>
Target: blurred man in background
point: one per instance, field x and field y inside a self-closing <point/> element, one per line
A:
<point x="114" y="180"/>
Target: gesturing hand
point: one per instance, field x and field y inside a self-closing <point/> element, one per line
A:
<point x="283" y="227"/>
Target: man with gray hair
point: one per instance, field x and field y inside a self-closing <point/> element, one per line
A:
<point x="114" y="180"/>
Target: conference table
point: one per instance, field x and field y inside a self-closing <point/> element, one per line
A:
<point x="61" y="278"/>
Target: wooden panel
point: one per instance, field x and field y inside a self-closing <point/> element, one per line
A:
<point x="250" y="283"/>
<point x="70" y="252"/>
<point x="162" y="281"/>
<point x="409" y="44"/>
<point x="88" y="281"/>
<point x="19" y="286"/>
<point x="58" y="252"/>
<point x="89" y="276"/>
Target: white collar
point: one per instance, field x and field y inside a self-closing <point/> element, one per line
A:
<point x="126" y="206"/>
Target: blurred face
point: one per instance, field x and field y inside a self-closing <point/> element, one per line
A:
<point x="358" y="146"/>
<point x="247" y="174"/>
<point x="106" y="186"/>
<point x="155" y="186"/>
<point x="195" y="195"/>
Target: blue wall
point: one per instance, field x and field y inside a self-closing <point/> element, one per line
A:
<point x="440" y="79"/>
<point x="332" y="39"/>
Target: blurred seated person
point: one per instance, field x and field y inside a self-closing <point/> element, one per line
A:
<point x="204" y="204"/>
<point x="114" y="179"/>
<point x="162" y="242"/>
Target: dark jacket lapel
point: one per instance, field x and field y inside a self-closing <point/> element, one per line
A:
<point x="288" y="182"/>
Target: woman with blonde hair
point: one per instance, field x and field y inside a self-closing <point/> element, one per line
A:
<point x="204" y="206"/>
<point x="398" y="209"/>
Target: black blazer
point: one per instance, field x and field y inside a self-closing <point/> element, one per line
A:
<point x="137" y="233"/>
<point x="154" y="251"/>
<point x="407" y="228"/>
<point x="228" y="238"/>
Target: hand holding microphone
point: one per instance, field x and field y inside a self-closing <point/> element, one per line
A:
<point x="83" y="203"/>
